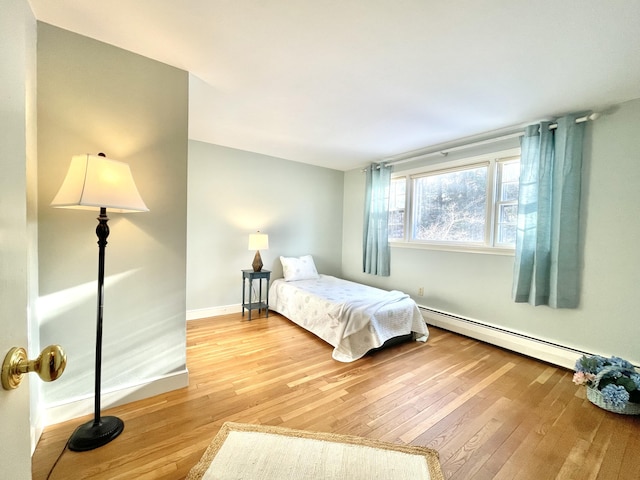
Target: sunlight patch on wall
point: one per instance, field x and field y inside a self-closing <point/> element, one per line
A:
<point x="56" y="304"/>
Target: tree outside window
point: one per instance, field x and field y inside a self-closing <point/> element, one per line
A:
<point x="470" y="205"/>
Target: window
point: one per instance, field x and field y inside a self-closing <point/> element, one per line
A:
<point x="450" y="206"/>
<point x="507" y="202"/>
<point x="470" y="204"/>
<point x="397" y="206"/>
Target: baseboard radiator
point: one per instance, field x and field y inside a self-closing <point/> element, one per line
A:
<point x="546" y="351"/>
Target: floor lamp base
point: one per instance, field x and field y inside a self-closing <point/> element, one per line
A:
<point x="91" y="435"/>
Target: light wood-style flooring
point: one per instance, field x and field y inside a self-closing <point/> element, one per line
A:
<point x="490" y="413"/>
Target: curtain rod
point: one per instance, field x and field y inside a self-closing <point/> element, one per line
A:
<point x="444" y="152"/>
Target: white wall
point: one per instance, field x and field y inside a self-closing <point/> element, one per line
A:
<point x="478" y="286"/>
<point x="233" y="193"/>
<point x="93" y="97"/>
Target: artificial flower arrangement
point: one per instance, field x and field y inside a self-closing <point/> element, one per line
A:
<point x="612" y="383"/>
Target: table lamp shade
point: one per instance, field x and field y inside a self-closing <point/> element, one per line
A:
<point x="258" y="241"/>
<point x="94" y="181"/>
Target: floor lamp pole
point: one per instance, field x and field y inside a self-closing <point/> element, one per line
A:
<point x="101" y="430"/>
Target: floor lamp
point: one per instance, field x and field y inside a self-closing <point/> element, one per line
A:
<point x="96" y="182"/>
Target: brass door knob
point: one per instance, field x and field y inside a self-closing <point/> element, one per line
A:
<point x="49" y="365"/>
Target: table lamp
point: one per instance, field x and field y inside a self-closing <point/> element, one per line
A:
<point x="258" y="241"/>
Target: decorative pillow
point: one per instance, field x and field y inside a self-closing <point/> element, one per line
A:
<point x="301" y="268"/>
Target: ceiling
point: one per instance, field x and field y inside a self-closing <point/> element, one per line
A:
<point x="340" y="83"/>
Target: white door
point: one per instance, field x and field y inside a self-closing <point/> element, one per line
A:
<point x="17" y="58"/>
<point x="15" y="444"/>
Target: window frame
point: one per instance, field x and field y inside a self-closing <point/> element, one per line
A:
<point x="489" y="245"/>
<point x="404" y="222"/>
<point x="498" y="202"/>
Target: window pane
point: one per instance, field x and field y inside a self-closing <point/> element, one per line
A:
<point x="509" y="178"/>
<point x="508" y="213"/>
<point x="509" y="191"/>
<point x="397" y="202"/>
<point x="451" y="206"/>
<point x="509" y="174"/>
<point x="507" y="235"/>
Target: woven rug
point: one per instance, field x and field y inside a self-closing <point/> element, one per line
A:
<point x="256" y="452"/>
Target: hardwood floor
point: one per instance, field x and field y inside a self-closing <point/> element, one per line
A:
<point x="491" y="414"/>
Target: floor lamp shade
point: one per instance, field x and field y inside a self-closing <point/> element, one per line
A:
<point x="96" y="182"/>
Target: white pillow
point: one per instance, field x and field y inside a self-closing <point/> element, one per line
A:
<point x="301" y="268"/>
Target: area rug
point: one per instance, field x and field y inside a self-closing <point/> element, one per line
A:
<point x="258" y="452"/>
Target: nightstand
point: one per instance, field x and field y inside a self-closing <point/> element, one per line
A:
<point x="248" y="276"/>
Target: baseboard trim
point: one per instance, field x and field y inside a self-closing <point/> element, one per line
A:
<point x="559" y="355"/>
<point x="37" y="429"/>
<point x="197" y="314"/>
<point x="81" y="406"/>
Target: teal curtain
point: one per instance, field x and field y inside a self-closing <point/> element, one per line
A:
<point x="546" y="270"/>
<point x="376" y="254"/>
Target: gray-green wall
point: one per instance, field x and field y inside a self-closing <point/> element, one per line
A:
<point x="478" y="286"/>
<point x="233" y="193"/>
<point x="93" y="97"/>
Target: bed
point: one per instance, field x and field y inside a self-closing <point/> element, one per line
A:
<point x="352" y="317"/>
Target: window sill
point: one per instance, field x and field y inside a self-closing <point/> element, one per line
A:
<point x="455" y="248"/>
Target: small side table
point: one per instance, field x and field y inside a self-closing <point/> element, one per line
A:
<point x="250" y="276"/>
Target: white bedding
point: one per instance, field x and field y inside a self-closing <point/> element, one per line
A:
<point x="352" y="317"/>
